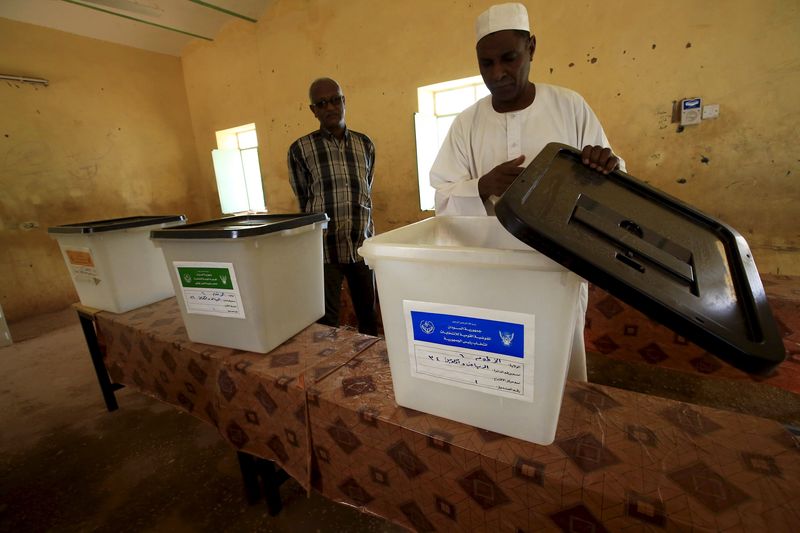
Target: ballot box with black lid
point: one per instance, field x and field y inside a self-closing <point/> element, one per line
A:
<point x="677" y="265"/>
<point x="248" y="282"/>
<point x="479" y="326"/>
<point x="113" y="264"/>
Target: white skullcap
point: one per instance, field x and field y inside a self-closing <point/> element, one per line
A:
<point x="500" y="17"/>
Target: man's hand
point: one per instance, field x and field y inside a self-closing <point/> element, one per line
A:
<point x="599" y="158"/>
<point x="500" y="178"/>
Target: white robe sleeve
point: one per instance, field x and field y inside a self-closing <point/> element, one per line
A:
<point x="591" y="131"/>
<point x="452" y="177"/>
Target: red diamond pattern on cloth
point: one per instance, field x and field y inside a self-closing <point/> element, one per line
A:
<point x="605" y="345"/>
<point x="578" y="518"/>
<point x="690" y="420"/>
<point x="610" y="307"/>
<point x="587" y="452"/>
<point x="480" y="487"/>
<point x="707" y="487"/>
<point x="653" y="354"/>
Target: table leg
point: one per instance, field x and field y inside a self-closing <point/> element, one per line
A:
<point x="271" y="480"/>
<point x="106" y="387"/>
<point x="254" y="469"/>
<point x="247" y="465"/>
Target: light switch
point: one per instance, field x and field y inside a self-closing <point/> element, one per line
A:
<point x="691" y="109"/>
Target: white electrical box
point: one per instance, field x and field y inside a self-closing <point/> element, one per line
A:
<point x="710" y="111"/>
<point x="691" y="109"/>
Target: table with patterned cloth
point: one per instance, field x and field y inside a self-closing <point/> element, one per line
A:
<point x="621" y="461"/>
<point x="257" y="401"/>
<point x="620" y="332"/>
<point x="322" y="407"/>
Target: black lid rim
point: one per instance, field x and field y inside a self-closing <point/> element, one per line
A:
<point x="209" y="229"/>
<point x="115" y="224"/>
<point x="758" y="356"/>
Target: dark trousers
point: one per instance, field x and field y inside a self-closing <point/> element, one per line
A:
<point x="361" y="282"/>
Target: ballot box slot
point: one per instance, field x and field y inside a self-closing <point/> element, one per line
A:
<point x="636" y="243"/>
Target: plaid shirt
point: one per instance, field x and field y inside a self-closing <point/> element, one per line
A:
<point x="335" y="177"/>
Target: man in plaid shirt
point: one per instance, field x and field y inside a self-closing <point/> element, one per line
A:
<point x="331" y="171"/>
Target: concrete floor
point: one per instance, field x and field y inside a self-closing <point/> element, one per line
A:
<point x="66" y="464"/>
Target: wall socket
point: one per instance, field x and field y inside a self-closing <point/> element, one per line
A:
<point x="710" y="111"/>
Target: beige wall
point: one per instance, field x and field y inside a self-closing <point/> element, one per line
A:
<point x="109" y="137"/>
<point x="741" y="54"/>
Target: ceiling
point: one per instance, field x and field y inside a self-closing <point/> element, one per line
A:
<point x="164" y="26"/>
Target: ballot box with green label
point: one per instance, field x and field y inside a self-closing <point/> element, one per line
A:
<point x="113" y="264"/>
<point x="248" y="282"/>
<point x="479" y="326"/>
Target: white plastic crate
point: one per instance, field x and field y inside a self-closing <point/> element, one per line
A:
<point x="248" y="282"/>
<point x="478" y="325"/>
<point x="113" y="264"/>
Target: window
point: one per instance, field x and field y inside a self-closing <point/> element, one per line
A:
<point x="237" y="170"/>
<point x="438" y="106"/>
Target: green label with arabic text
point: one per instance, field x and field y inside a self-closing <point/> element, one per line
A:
<point x="205" y="278"/>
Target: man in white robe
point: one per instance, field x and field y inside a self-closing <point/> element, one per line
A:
<point x="489" y="142"/>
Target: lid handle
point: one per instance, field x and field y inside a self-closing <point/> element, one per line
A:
<point x="635" y="239"/>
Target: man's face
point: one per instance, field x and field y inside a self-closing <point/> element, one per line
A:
<point x="327" y="104"/>
<point x="504" y="59"/>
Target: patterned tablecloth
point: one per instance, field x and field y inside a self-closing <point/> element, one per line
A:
<point x="322" y="406"/>
<point x="620" y="332"/>
<point x="621" y="461"/>
<point x="257" y="401"/>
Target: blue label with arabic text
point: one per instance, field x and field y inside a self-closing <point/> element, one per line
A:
<point x="504" y="338"/>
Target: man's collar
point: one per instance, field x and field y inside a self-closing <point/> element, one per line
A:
<point x="330" y="135"/>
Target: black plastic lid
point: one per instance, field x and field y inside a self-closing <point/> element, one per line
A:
<point x="680" y="267"/>
<point x="115" y="224"/>
<point x="239" y="226"/>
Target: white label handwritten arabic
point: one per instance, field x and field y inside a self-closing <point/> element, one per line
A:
<point x="485" y="371"/>
<point x="484" y="350"/>
<point x="212" y="301"/>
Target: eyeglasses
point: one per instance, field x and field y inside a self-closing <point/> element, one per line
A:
<point x="337" y="101"/>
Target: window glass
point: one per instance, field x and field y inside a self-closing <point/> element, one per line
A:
<point x="453" y="101"/>
<point x="247" y="139"/>
<point x="481" y="91"/>
<point x="439" y="104"/>
<point x="252" y="179"/>
<point x="237" y="170"/>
